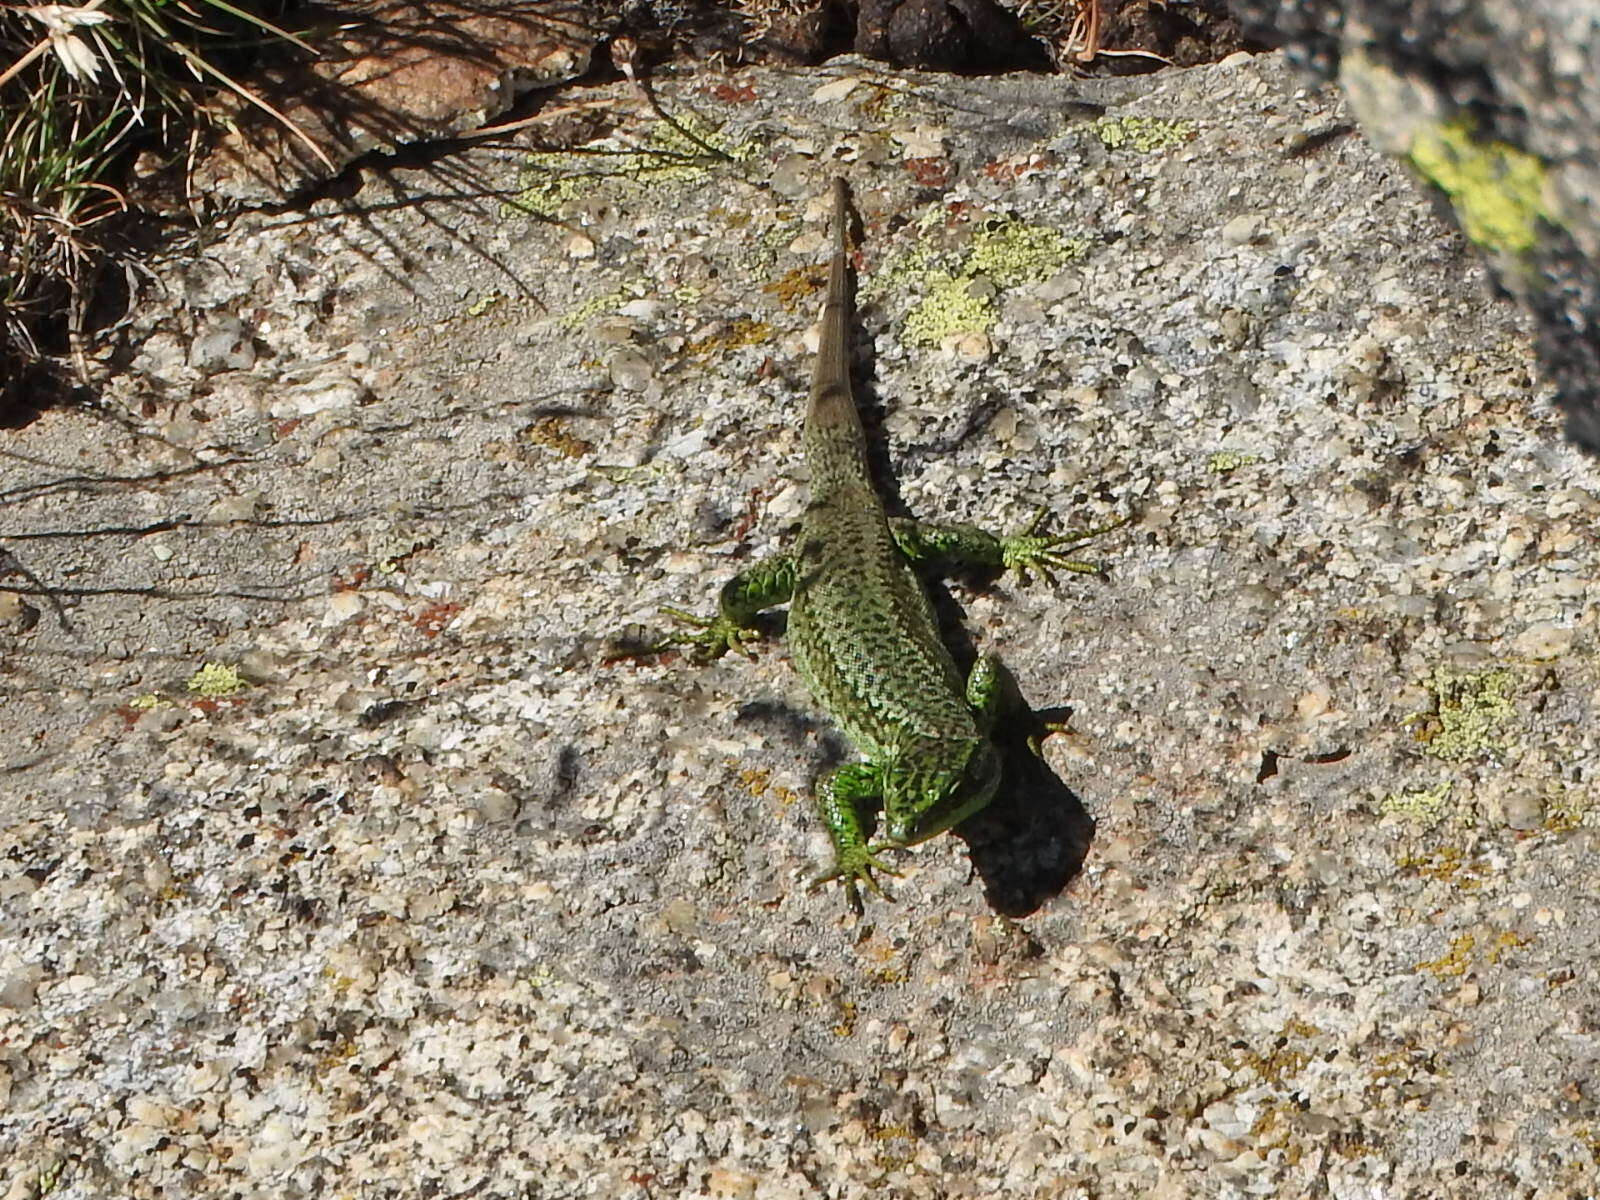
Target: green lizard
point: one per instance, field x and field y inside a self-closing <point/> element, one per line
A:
<point x="862" y="630"/>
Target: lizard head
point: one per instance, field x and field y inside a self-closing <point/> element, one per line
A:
<point x="937" y="786"/>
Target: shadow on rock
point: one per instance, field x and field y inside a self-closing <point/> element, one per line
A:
<point x="1031" y="842"/>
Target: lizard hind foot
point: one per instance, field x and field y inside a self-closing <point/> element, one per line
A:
<point x="855" y="869"/>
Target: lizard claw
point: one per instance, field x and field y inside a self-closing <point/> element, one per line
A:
<point x="715" y="636"/>
<point x="1027" y="551"/>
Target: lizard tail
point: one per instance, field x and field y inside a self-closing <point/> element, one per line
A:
<point x="831" y="413"/>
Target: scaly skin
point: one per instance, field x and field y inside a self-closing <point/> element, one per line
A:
<point x="862" y="630"/>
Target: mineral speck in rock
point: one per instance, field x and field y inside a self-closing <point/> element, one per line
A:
<point x="224" y="344"/>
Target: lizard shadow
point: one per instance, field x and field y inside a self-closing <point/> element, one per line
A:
<point x="1032" y="840"/>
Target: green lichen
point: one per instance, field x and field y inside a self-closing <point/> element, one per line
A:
<point x="484" y="303"/>
<point x="1425" y="806"/>
<point x="148" y="701"/>
<point x="582" y="316"/>
<point x="1005" y="252"/>
<point x="777" y="236"/>
<point x="1496" y="189"/>
<point x="1142" y="134"/>
<point x="49" y="1179"/>
<point x="948" y="306"/>
<point x="1471" y="710"/>
<point x="1224" y="461"/>
<point x="543" y="195"/>
<point x="685" y="152"/>
<point x="757" y="256"/>
<point x="216" y="680"/>
<point x="696" y="139"/>
<point x="387" y="549"/>
<point x="1011" y="252"/>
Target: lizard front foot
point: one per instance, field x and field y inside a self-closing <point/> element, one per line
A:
<point x="1044" y="730"/>
<point x="715" y="636"/>
<point x="1027" y="551"/>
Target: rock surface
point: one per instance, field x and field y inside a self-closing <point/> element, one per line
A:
<point x="347" y="848"/>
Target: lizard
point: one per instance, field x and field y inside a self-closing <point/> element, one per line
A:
<point x="861" y="629"/>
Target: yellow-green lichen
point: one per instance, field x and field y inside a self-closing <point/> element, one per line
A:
<point x="1424" y="806"/>
<point x="1004" y="253"/>
<point x="49" y="1179"/>
<point x="595" y="306"/>
<point x="1471" y="711"/>
<point x="216" y="680"/>
<point x="1143" y="134"/>
<point x="1497" y="190"/>
<point x="777" y="236"/>
<point x="1224" y="461"/>
<point x="684" y="152"/>
<point x="543" y="195"/>
<point x="948" y="306"/>
<point x="387" y="549"/>
<point x="1011" y="252"/>
<point x="148" y="701"/>
<point x="484" y="303"/>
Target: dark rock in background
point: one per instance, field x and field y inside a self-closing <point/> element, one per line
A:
<point x="1498" y="105"/>
<point x="946" y="35"/>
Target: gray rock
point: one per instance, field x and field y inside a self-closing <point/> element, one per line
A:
<point x="462" y="890"/>
<point x="223" y="344"/>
